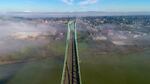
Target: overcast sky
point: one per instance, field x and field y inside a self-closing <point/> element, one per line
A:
<point x="74" y="5"/>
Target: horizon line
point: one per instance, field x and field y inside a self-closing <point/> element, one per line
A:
<point x="74" y="11"/>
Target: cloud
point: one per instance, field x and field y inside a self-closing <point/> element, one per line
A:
<point x="86" y="2"/>
<point x="80" y="2"/>
<point x="69" y="2"/>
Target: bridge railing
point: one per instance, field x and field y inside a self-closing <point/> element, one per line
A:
<point x="76" y="41"/>
<point x="66" y="52"/>
<point x="66" y="55"/>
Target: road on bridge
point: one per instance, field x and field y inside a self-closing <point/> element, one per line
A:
<point x="71" y="70"/>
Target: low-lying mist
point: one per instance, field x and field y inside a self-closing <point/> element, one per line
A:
<point x="16" y="34"/>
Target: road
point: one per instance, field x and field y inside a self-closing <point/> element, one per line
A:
<point x="71" y="71"/>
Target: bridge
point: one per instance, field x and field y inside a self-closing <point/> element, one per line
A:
<point x="71" y="70"/>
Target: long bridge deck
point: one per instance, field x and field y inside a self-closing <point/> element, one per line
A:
<point x="71" y="70"/>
